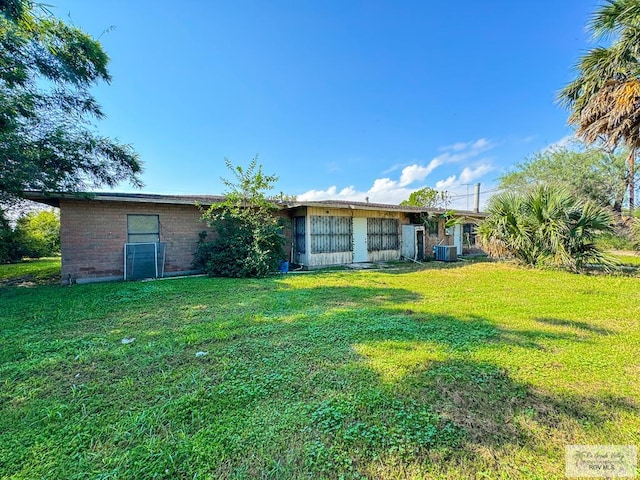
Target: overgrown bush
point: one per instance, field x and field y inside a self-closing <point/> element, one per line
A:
<point x="38" y="234"/>
<point x="248" y="240"/>
<point x="546" y="226"/>
<point x="35" y="235"/>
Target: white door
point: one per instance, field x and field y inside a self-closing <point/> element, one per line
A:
<point x="457" y="237"/>
<point x="359" y="240"/>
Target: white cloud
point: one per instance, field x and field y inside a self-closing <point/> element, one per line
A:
<point x="348" y="193"/>
<point x="563" y="142"/>
<point x="470" y="174"/>
<point x="467" y="175"/>
<point x="446" y="184"/>
<point x="393" y="168"/>
<point x="417" y="173"/>
<point x="460" y="187"/>
<point x="387" y="190"/>
<point x="456" y="147"/>
<point x="480" y="144"/>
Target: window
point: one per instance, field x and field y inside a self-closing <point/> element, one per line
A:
<point x="143" y="228"/>
<point x="469" y="234"/>
<point x="330" y="234"/>
<point x="382" y="234"/>
<point x="432" y="226"/>
<point x="299" y="234"/>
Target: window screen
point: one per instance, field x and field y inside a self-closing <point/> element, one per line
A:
<point x="330" y="234"/>
<point x="143" y="228"/>
<point x="382" y="234"/>
<point x="299" y="234"/>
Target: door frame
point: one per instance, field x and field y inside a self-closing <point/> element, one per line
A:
<point x="360" y="253"/>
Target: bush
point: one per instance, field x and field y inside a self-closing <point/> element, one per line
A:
<point x="36" y="235"/>
<point x="241" y="249"/>
<point x="546" y="226"/>
<point x="248" y="240"/>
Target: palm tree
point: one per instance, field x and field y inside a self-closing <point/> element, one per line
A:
<point x="604" y="99"/>
<point x="546" y="226"/>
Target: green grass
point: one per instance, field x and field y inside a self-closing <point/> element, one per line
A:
<point x="613" y="241"/>
<point x="481" y="370"/>
<point x="629" y="259"/>
<point x="31" y="272"/>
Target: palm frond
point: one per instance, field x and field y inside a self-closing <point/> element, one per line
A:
<point x="614" y="16"/>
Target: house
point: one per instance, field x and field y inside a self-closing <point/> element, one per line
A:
<point x="115" y="236"/>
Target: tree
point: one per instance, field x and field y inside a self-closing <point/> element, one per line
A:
<point x="38" y="234"/>
<point x="546" y="226"/>
<point x="47" y="141"/>
<point x="427" y="197"/>
<point x="249" y="242"/>
<point x="9" y="251"/>
<point x="604" y="99"/>
<point x="592" y="174"/>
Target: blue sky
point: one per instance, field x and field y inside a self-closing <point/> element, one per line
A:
<point x="340" y="99"/>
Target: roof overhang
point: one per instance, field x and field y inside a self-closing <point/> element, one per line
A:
<point x="384" y="207"/>
<point x="54" y="199"/>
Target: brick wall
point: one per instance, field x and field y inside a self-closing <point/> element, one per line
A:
<point x="93" y="234"/>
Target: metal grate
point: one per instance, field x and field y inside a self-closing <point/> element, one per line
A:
<point x="331" y="234"/>
<point x="144" y="260"/>
<point x="299" y="234"/>
<point x="382" y="234"/>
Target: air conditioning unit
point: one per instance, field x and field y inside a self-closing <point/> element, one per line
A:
<point x="446" y="253"/>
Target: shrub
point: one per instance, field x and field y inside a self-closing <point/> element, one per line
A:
<point x="546" y="226"/>
<point x="38" y="234"/>
<point x="248" y="240"/>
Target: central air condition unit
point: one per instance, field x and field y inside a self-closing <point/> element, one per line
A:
<point x="446" y="253"/>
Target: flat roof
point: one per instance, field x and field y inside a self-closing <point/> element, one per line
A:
<point x="54" y="198"/>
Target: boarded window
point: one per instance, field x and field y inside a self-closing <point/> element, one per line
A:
<point x="382" y="234"/>
<point x="300" y="243"/>
<point x="143" y="228"/>
<point x="331" y="234"/>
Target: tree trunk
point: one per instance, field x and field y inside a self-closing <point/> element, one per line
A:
<point x="631" y="179"/>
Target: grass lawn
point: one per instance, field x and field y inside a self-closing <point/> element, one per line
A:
<point x="481" y="370"/>
<point x="627" y="258"/>
<point x="31" y="272"/>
